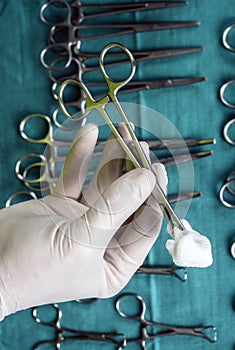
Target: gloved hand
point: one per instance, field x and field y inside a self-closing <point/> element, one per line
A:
<point x="68" y="245"/>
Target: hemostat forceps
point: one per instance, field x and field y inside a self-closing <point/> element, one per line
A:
<point x="72" y="334"/>
<point x="100" y="106"/>
<point x="83" y="12"/>
<point x="166" y="330"/>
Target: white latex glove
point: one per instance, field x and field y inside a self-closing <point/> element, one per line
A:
<point x="67" y="246"/>
<point x="189" y="248"/>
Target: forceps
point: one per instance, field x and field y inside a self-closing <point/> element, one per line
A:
<point x="111" y="9"/>
<point x="48" y="139"/>
<point x="82" y="57"/>
<point x="166" y="329"/>
<point x="75" y="335"/>
<point x="229" y="83"/>
<point x="226" y="128"/>
<point x="100" y="105"/>
<point x="42" y="175"/>
<point x="37" y="175"/>
<point x="72" y="38"/>
<point x="19" y="195"/>
<point x="226" y="188"/>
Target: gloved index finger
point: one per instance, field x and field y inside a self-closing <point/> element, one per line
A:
<point x="110" y="167"/>
<point x="76" y="164"/>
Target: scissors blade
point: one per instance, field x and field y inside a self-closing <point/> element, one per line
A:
<point x="113" y="9"/>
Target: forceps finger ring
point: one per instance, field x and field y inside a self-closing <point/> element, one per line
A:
<point x="226" y="131"/>
<point x="20" y="194"/>
<point x="226" y="186"/>
<point x="232" y="250"/>
<point x="225" y="37"/>
<point x="223" y="88"/>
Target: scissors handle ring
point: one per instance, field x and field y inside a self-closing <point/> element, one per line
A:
<point x="225" y="132"/>
<point x="225" y="35"/>
<point x="140" y="315"/>
<point x="110" y="82"/>
<point x="222" y="93"/>
<point x="221" y="194"/>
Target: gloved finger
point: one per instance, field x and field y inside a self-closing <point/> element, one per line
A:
<point x="109" y="169"/>
<point x="76" y="164"/>
<point x="145" y="148"/>
<point x="122" y="198"/>
<point x="137" y="237"/>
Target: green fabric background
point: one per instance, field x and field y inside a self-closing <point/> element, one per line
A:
<point x="195" y="110"/>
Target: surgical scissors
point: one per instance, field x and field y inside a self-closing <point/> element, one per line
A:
<point x="75" y="335"/>
<point x="100" y="105"/>
<point x="100" y="10"/>
<point x="167" y="330"/>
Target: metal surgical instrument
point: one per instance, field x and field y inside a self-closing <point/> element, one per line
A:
<point x="100" y="105"/>
<point x="72" y="334"/>
<point x="225" y="41"/>
<point x="227" y="188"/>
<point x="19" y="195"/>
<point x="166" y="330"/>
<point x="100" y="9"/>
<point x="229" y="83"/>
<point x="42" y="175"/>
<point x="72" y="38"/>
<point x="232" y="250"/>
<point x="82" y="57"/>
<point x="226" y="128"/>
<point x="164" y="270"/>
